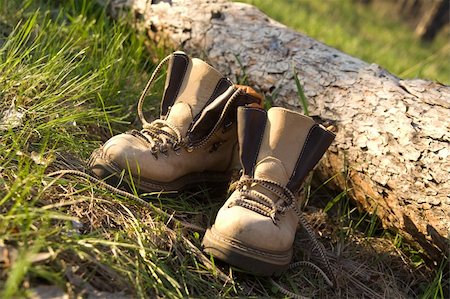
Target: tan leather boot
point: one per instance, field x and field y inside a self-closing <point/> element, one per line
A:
<point x="255" y="228"/>
<point x="195" y="138"/>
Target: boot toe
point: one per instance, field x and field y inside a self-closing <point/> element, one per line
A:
<point x="254" y="230"/>
<point x="118" y="153"/>
<point x="249" y="241"/>
<point x="130" y="153"/>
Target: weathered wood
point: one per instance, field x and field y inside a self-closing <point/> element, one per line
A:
<point x="392" y="143"/>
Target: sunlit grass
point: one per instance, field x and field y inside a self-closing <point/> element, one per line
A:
<point x="68" y="73"/>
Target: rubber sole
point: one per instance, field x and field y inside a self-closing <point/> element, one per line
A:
<point x="241" y="256"/>
<point x="113" y="176"/>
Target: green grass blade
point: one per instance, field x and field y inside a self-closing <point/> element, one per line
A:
<point x="300" y="93"/>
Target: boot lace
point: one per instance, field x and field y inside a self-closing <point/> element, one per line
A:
<point x="160" y="134"/>
<point x="160" y="140"/>
<point x="260" y="203"/>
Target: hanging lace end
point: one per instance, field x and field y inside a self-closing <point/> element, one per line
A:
<point x="274" y="218"/>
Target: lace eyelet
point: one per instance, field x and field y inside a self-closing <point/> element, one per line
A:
<point x="163" y="150"/>
<point x="274" y="218"/>
<point x="176" y="149"/>
<point x="154" y="153"/>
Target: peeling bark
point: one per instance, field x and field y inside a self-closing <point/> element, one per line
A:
<point x="392" y="143"/>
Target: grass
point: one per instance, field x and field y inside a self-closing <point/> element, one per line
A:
<point x="67" y="72"/>
<point x="376" y="35"/>
<point x="69" y="79"/>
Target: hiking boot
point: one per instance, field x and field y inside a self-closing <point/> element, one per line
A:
<point x="255" y="228"/>
<point x="193" y="141"/>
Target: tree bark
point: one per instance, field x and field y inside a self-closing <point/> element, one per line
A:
<point x="392" y="145"/>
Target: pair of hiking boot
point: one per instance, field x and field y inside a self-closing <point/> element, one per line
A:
<point x="207" y="124"/>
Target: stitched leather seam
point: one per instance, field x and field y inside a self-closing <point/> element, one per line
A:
<point x="213" y="95"/>
<point x="259" y="145"/>
<point x="179" y="86"/>
<point x="301" y="153"/>
<point x="184" y="72"/>
<point x="207" y="103"/>
<point x="260" y="136"/>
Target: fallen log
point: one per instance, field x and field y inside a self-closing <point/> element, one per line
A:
<point x="392" y="145"/>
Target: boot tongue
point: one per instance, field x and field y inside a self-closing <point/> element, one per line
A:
<point x="284" y="136"/>
<point x="191" y="84"/>
<point x="180" y="116"/>
<point x="272" y="169"/>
